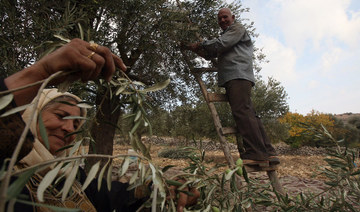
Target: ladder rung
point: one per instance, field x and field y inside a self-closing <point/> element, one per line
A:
<point x="259" y="169"/>
<point x="229" y="130"/>
<point x="200" y="70"/>
<point x="216" y="97"/>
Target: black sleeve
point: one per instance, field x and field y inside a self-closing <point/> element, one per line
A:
<point x="117" y="199"/>
<point x="11" y="128"/>
<point x="24" y="195"/>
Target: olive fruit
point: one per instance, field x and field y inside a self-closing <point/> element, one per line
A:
<point x="215" y="209"/>
<point x="239" y="171"/>
<point x="239" y="162"/>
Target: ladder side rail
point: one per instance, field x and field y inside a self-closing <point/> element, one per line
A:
<point x="217" y="123"/>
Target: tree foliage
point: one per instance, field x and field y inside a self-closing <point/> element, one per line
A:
<point x="195" y="121"/>
<point x="301" y="127"/>
<point x="349" y="130"/>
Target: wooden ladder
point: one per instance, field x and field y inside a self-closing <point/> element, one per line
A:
<point x="210" y="98"/>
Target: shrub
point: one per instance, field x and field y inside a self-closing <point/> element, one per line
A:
<point x="175" y="153"/>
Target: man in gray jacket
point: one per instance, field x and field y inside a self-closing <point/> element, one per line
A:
<point x="234" y="50"/>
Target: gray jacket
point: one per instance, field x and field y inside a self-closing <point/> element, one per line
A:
<point x="234" y="51"/>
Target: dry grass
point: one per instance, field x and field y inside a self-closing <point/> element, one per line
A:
<point x="298" y="166"/>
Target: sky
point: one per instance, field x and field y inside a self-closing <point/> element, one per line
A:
<point x="313" y="49"/>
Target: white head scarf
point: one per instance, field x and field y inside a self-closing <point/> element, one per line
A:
<point x="40" y="153"/>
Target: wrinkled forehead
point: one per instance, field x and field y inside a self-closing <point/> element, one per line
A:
<point x="69" y="107"/>
<point x="63" y="110"/>
<point x="64" y="100"/>
<point x="224" y="12"/>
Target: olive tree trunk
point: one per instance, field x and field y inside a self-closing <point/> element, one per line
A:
<point x="103" y="128"/>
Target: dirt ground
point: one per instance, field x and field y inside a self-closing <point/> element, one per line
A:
<point x="296" y="173"/>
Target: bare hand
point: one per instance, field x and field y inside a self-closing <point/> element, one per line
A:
<point x="190" y="46"/>
<point x="184" y="199"/>
<point x="194" y="47"/>
<point x="89" y="61"/>
<point x="81" y="59"/>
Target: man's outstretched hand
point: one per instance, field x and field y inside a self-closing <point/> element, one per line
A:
<point x="184" y="199"/>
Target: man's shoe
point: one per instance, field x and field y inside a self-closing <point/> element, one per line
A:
<point x="273" y="160"/>
<point x="260" y="163"/>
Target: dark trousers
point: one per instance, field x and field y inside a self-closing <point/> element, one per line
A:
<point x="255" y="141"/>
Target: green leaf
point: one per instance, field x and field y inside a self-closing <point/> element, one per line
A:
<point x="122" y="79"/>
<point x="120" y="90"/>
<point x="128" y="116"/>
<point x="157" y="180"/>
<point x="110" y="92"/>
<point x="128" y="92"/>
<point x="134" y="177"/>
<point x="66" y="103"/>
<point x="245" y="175"/>
<point x="5" y="100"/>
<point x="187" y="192"/>
<point x="15" y="110"/>
<point x="142" y="147"/>
<point x="355" y="173"/>
<point x="142" y="171"/>
<point x="70" y="180"/>
<point x="114" y="83"/>
<point x="147" y="124"/>
<point x="84" y="105"/>
<point x="62" y="38"/>
<point x="101" y="174"/>
<point x="16" y="187"/>
<point x="47" y="180"/>
<point x="125" y="166"/>
<point x="174" y="183"/>
<point x="63" y="170"/>
<point x="92" y="173"/>
<point x="136" y="125"/>
<point x="156" y="87"/>
<point x="138" y="115"/>
<point x="108" y="177"/>
<point x="81" y="31"/>
<point x="172" y="205"/>
<point x="138" y="83"/>
<point x="75" y="148"/>
<point x="230" y="174"/>
<point x="75" y="117"/>
<point x="43" y="132"/>
<point x="64" y="148"/>
<point x="210" y="193"/>
<point x="3" y="168"/>
<point x="73" y="133"/>
<point x="167" y="168"/>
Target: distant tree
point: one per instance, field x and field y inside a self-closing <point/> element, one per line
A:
<point x="348" y="131"/>
<point x="270" y="99"/>
<point x="303" y="129"/>
<point x="195" y="121"/>
<point x="355" y="121"/>
<point x="270" y="102"/>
